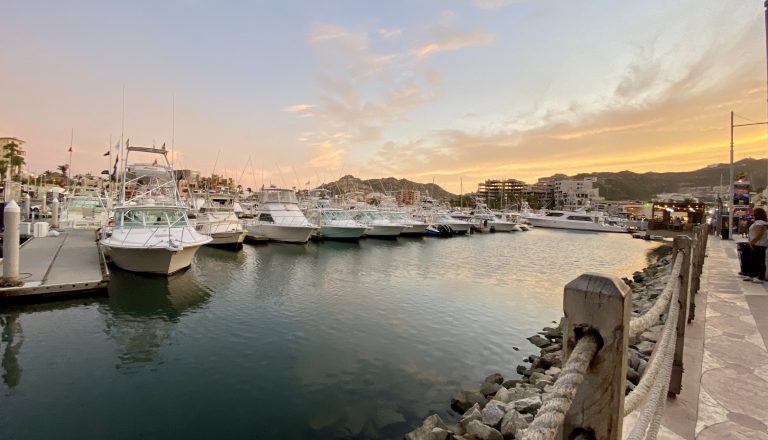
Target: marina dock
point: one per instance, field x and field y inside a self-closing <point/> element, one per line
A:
<point x="70" y="264"/>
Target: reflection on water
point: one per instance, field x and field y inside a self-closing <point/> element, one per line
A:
<point x="142" y="310"/>
<point x="325" y="340"/>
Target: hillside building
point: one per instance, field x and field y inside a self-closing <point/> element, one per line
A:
<point x="407" y="197"/>
<point x="570" y="194"/>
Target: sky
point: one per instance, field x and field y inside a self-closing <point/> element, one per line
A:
<point x="450" y="91"/>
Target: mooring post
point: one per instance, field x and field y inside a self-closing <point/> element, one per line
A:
<point x="44" y="207"/>
<point x="55" y="212"/>
<point x="684" y="247"/>
<point x="11" y="218"/>
<point x="27" y="210"/>
<point x="599" y="304"/>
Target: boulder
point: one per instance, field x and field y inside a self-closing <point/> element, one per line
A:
<point x="512" y="423"/>
<point x="554" y="348"/>
<point x="529" y="405"/>
<point x="471" y="414"/>
<point x="439" y="434"/>
<point x="522" y="393"/>
<point x="554" y="372"/>
<point x="511" y="383"/>
<point x="494" y="378"/>
<point x="539" y="341"/>
<point x="502" y="395"/>
<point x="489" y="388"/>
<point x="483" y="432"/>
<point x="520" y="369"/>
<point x="493" y="412"/>
<point x="549" y="360"/>
<point x="424" y="432"/>
<point x="645" y="348"/>
<point x="464" y="400"/>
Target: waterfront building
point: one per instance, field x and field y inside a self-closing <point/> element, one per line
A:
<point x="573" y="194"/>
<point x="501" y="193"/>
<point x="407" y="197"/>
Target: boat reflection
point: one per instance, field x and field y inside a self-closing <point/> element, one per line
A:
<point x="12" y="339"/>
<point x="143" y="311"/>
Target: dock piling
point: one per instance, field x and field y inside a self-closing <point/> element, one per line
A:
<point x="55" y="212"/>
<point x="27" y="211"/>
<point x="12" y="218"/>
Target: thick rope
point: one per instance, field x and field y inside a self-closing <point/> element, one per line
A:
<point x="556" y="404"/>
<point x="662" y="350"/>
<point x="654" y="405"/>
<point x="642" y="323"/>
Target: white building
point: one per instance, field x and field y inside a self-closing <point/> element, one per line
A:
<point x="572" y="194"/>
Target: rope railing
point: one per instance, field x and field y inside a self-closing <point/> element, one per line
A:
<point x="593" y="403"/>
<point x="557" y="403"/>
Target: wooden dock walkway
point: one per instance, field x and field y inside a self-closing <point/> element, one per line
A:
<point x="69" y="264"/>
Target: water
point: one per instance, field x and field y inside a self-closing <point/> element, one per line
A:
<point x="328" y="340"/>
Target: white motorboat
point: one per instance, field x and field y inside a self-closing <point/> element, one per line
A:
<point x="574" y="220"/>
<point x="216" y="217"/>
<point x="279" y="218"/>
<point x="86" y="208"/>
<point x="150" y="231"/>
<point x="378" y="225"/>
<point x="336" y="224"/>
<point x="457" y="225"/>
<point x="412" y="227"/>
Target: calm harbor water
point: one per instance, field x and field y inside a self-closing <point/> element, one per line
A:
<point x="327" y="340"/>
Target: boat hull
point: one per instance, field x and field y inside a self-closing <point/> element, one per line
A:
<point x="415" y="230"/>
<point x="575" y="226"/>
<point x="160" y="261"/>
<point x="503" y="227"/>
<point x="342" y="232"/>
<point x="383" y="231"/>
<point x="287" y="234"/>
<point x="227" y="239"/>
<point x="460" y="228"/>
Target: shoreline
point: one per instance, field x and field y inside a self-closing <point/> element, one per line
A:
<point x="501" y="409"/>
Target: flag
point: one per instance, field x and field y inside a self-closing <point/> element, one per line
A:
<point x="108" y="153"/>
<point x="70" y="149"/>
<point x="163" y="147"/>
<point x="114" y="170"/>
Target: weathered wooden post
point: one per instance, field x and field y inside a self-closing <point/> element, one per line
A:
<point x="11" y="218"/>
<point x="599" y="304"/>
<point x="55" y="212"/>
<point x="683" y="246"/>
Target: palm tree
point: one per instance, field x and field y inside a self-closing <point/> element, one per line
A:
<point x="13" y="155"/>
<point x="63" y="168"/>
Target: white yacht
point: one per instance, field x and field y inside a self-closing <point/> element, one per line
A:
<point x="574" y="220"/>
<point x="85" y="208"/>
<point x="336" y="223"/>
<point x="150" y="231"/>
<point x="378" y="224"/>
<point x="457" y="225"/>
<point x="412" y="227"/>
<point x="217" y="218"/>
<point x="279" y="218"/>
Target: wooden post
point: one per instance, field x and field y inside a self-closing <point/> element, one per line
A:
<point x="683" y="244"/>
<point x="601" y="304"/>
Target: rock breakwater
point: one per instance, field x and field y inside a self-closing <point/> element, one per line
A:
<point x="502" y="409"/>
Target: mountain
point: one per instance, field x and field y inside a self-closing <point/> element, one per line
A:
<point x="350" y="183"/>
<point x="626" y="185"/>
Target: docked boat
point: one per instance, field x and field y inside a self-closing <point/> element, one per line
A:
<point x="574" y="220"/>
<point x="335" y="223"/>
<point x="216" y="217"/>
<point x="411" y="226"/>
<point x="85" y="208"/>
<point x="149" y="231"/>
<point x="279" y="218"/>
<point x="378" y="224"/>
<point x="457" y="225"/>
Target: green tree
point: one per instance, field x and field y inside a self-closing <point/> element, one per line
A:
<point x="13" y="156"/>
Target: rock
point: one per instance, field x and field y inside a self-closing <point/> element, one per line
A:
<point x="471" y="414"/>
<point x="641" y="367"/>
<point x="520" y="369"/>
<point x="489" y="389"/>
<point x="424" y="432"/>
<point x="548" y="360"/>
<point x="528" y="418"/>
<point x="529" y="405"/>
<point x="554" y="371"/>
<point x="512" y="422"/>
<point x="457" y="429"/>
<point x="494" y="378"/>
<point x="483" y="432"/>
<point x="439" y="434"/>
<point x="552" y="332"/>
<point x="645" y="347"/>
<point x="554" y="348"/>
<point x="493" y="412"/>
<point x="464" y="400"/>
<point x="633" y="376"/>
<point x="511" y="383"/>
<point x="649" y="335"/>
<point x="539" y="341"/>
<point x="502" y="395"/>
<point x="522" y="393"/>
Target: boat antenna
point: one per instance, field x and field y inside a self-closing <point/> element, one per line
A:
<point x="173" y="130"/>
<point x="69" y="175"/>
<point x="281" y="174"/>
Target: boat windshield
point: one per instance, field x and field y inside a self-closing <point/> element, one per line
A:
<point x="445" y="218"/>
<point x="278" y="196"/>
<point x="140" y="218"/>
<point x="85" y="203"/>
<point x="368" y="216"/>
<point x="336" y="215"/>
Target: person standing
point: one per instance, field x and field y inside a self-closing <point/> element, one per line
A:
<point x="758" y="242"/>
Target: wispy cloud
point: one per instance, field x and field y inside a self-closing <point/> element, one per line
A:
<point x="298" y="108"/>
<point x="450" y="42"/>
<point x="390" y="33"/>
<point x="494" y="4"/>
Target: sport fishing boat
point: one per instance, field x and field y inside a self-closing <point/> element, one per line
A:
<point x="378" y="224"/>
<point x="279" y="218"/>
<point x="149" y="231"/>
<point x="86" y="208"/>
<point x="336" y="223"/>
<point x="216" y="217"/>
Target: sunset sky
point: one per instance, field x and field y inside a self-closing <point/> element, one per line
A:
<point x="432" y="89"/>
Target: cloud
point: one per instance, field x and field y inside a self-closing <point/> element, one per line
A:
<point x="298" y="108"/>
<point x="494" y="4"/>
<point x="455" y="41"/>
<point x="390" y="33"/>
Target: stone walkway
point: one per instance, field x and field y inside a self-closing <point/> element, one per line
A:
<point x="733" y="395"/>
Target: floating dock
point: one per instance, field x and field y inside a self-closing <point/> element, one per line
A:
<point x="70" y="264"/>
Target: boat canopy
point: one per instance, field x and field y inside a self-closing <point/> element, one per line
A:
<point x="273" y="195"/>
<point x="141" y="217"/>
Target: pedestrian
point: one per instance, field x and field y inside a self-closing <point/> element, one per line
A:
<point x="758" y="242"/>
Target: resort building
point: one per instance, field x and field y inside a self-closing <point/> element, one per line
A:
<point x="501" y="193"/>
<point x="407" y="197"/>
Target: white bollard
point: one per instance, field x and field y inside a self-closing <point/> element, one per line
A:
<point x="55" y="212"/>
<point x="11" y="217"/>
<point x="43" y="208"/>
<point x="27" y="208"/>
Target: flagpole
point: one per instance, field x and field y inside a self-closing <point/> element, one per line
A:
<point x="69" y="175"/>
<point x="120" y="155"/>
<point x="173" y="130"/>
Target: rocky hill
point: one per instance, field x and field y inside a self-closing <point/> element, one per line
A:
<point x="350" y="183"/>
